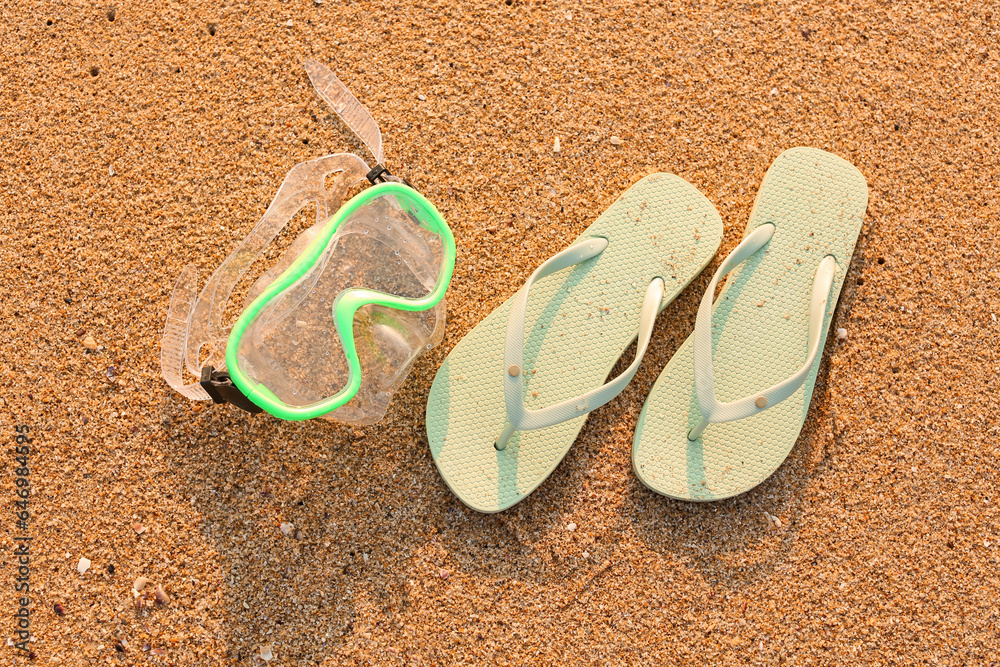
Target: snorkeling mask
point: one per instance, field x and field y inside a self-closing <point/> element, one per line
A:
<point x="332" y="328"/>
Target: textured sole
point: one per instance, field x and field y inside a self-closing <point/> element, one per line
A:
<point x="817" y="202"/>
<point x="579" y="322"/>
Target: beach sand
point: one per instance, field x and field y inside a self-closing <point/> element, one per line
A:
<point x="134" y="146"/>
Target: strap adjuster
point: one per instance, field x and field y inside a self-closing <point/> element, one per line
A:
<point x="379" y="174"/>
<point x="222" y="390"/>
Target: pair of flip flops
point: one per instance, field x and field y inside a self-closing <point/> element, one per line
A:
<point x="510" y="399"/>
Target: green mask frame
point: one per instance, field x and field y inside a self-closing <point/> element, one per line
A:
<point x="345" y="305"/>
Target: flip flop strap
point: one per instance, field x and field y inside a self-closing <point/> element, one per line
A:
<point x="704" y="375"/>
<point x="519" y="417"/>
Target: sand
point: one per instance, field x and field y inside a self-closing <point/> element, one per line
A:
<point x="134" y="146"/>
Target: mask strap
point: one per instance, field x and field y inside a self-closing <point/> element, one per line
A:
<point x="354" y="114"/>
<point x="346" y="105"/>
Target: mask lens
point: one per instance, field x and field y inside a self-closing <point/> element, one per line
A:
<point x="292" y="347"/>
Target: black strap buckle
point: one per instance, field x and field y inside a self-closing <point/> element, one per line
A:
<point x="378" y="175"/>
<point x="222" y="390"/>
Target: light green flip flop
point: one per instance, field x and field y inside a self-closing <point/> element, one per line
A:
<point x="729" y="406"/>
<point x="506" y="405"/>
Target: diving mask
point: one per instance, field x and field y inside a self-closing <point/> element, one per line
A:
<point x="331" y="329"/>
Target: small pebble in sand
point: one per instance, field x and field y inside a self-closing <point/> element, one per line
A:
<point x="616" y="140"/>
<point x="265" y="653"/>
<point x="299" y="535"/>
<point x="90" y="343"/>
<point x="139" y="584"/>
<point x="774" y="91"/>
<point x="571" y="527"/>
<point x="111" y="569"/>
<point x="138" y="528"/>
<point x="556" y="147"/>
<point x="287" y="528"/>
<point x="58" y="608"/>
<point x="773" y="522"/>
<point x="422" y="98"/>
<point x="161" y="596"/>
<point x="83" y="565"/>
<point x="111" y="170"/>
<point x="841" y="333"/>
<point x="120" y="646"/>
<point x="586" y="554"/>
<point x="444" y="573"/>
<point x="289" y="23"/>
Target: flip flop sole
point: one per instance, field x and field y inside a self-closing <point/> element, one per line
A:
<point x="579" y="322"/>
<point x="817" y="202"/>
